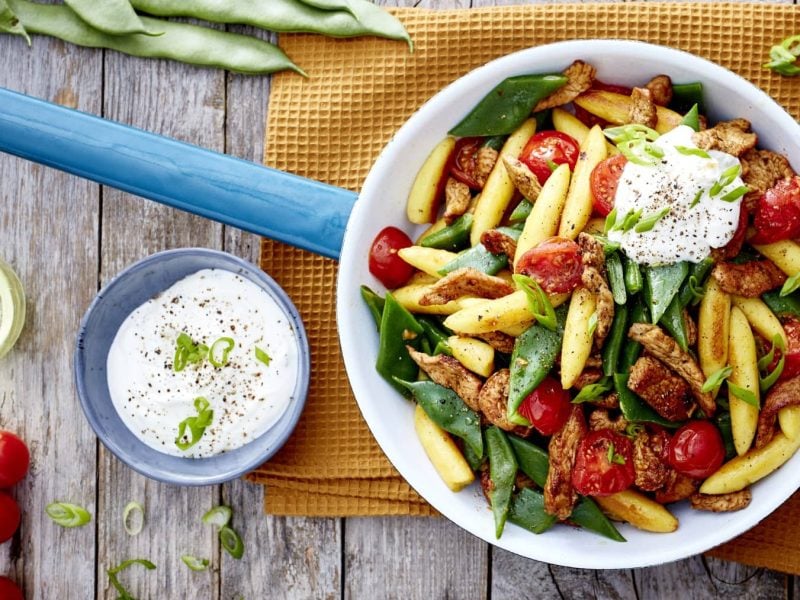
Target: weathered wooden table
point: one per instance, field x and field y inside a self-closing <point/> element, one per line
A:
<point x="66" y="237"/>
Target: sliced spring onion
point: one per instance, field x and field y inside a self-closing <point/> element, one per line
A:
<point x="790" y="285"/>
<point x="196" y="425"/>
<point x="697" y="198"/>
<point x="727" y="177"/>
<point x="743" y="394"/>
<point x="133" y="518"/>
<point x="231" y="542"/>
<point x="735" y="194"/>
<point x="187" y="351"/>
<point x="68" y="515"/>
<point x="634" y="429"/>
<point x="686" y="151"/>
<point x="263" y="356"/>
<point x="611" y="221"/>
<point x="219" y="516"/>
<point x="630" y="220"/>
<point x="608" y="245"/>
<point x="592" y="324"/>
<point x="697" y="291"/>
<point x="221" y="347"/>
<point x="552" y="165"/>
<point x="715" y="379"/>
<point x="641" y="152"/>
<point x="769" y="378"/>
<point x="194" y="563"/>
<point x="112" y="575"/>
<point x="783" y="57"/>
<point x="648" y="222"/>
<point x="538" y="302"/>
<point x="593" y="391"/>
<point x="632" y="131"/>
<point x="613" y="457"/>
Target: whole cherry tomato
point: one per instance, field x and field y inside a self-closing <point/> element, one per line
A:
<point x="14" y="459"/>
<point x="603" y="464"/>
<point x="9" y="517"/>
<point x="546" y="148"/>
<point x="9" y="590"/>
<point x="555" y="264"/>
<point x="697" y="449"/>
<point x="385" y="263"/>
<point x="777" y="214"/>
<point x="466" y="161"/>
<point x="547" y="407"/>
<point x="604" y="181"/>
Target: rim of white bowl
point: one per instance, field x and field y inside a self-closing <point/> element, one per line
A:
<point x="369" y="389"/>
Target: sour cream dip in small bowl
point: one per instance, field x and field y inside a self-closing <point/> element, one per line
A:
<point x="192" y="366"/>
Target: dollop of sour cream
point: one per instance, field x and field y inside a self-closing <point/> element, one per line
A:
<point x="246" y="395"/>
<point x="692" y="227"/>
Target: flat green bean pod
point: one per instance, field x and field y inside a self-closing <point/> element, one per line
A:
<point x="284" y="16"/>
<point x="180" y="41"/>
<point x="331" y="5"/>
<point x="115" y="17"/>
<point x="9" y="23"/>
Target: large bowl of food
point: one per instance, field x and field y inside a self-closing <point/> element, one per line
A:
<point x="567" y="303"/>
<point x="192" y="366"/>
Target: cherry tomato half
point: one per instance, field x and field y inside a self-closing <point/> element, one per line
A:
<point x="466" y="161"/>
<point x="9" y="590"/>
<point x="9" y="517"/>
<point x="697" y="449"/>
<point x="547" y="407"/>
<point x="604" y="181"/>
<point x="547" y="147"/>
<point x="14" y="459"/>
<point x="384" y="262"/>
<point x="555" y="264"/>
<point x="777" y="214"/>
<point x="733" y="247"/>
<point x="603" y="464"/>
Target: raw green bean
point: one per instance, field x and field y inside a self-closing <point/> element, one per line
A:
<point x="374" y="303"/>
<point x="504" y="108"/>
<point x="663" y="283"/>
<point x="503" y="472"/>
<point x="534" y="355"/>
<point x="284" y="16"/>
<point x="633" y="408"/>
<point x="9" y="23"/>
<point x="186" y="43"/>
<point x="115" y="17"/>
<point x="521" y="212"/>
<point x="616" y="278"/>
<point x="477" y="257"/>
<point x="723" y="420"/>
<point x="527" y="511"/>
<point x="398" y="329"/>
<point x="448" y="411"/>
<point x="615" y="340"/>
<point x="331" y="5"/>
<point x="589" y="516"/>
<point x="633" y="277"/>
<point x="531" y="459"/>
<point x="631" y="349"/>
<point x="454" y="237"/>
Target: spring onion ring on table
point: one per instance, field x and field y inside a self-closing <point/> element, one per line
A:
<point x="637" y="421"/>
<point x="12" y="308"/>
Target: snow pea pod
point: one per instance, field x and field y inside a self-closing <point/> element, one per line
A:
<point x="115" y="17"/>
<point x="284" y="16"/>
<point x="503" y="472"/>
<point x="180" y="41"/>
<point x="633" y="408"/>
<point x="723" y="420"/>
<point x="615" y="340"/>
<point x="454" y="237"/>
<point x="478" y="257"/>
<point x="531" y="459"/>
<point x="692" y="118"/>
<point x="398" y="329"/>
<point x="448" y="411"/>
<point x="782" y="305"/>
<point x="633" y="277"/>
<point x="435" y="334"/>
<point x="686" y="95"/>
<point x="503" y="109"/>
<point x="331" y="5"/>
<point x="521" y="212"/>
<point x="674" y="322"/>
<point x="534" y="355"/>
<point x="589" y="516"/>
<point x="9" y="23"/>
<point x="374" y="303"/>
<point x="631" y="349"/>
<point x="663" y="283"/>
<point x="700" y="272"/>
<point x="616" y="278"/>
<point x="527" y="511"/>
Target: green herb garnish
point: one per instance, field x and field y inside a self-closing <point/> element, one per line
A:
<point x="790" y="285"/>
<point x="613" y="457"/>
<point x="112" y="575"/>
<point x="231" y="542"/>
<point x="769" y="378"/>
<point x="715" y="379"/>
<point x="696" y="199"/>
<point x="68" y="515"/>
<point x="686" y="151"/>
<point x="222" y="348"/>
<point x="735" y="194"/>
<point x="727" y="178"/>
<point x="783" y="57"/>
<point x="194" y="563"/>
<point x="219" y="516"/>
<point x="133" y="518"/>
<point x="187" y="352"/>
<point x="538" y="302"/>
<point x="196" y="425"/>
<point x="263" y="356"/>
<point x="647" y="223"/>
<point x="743" y="394"/>
<point x="593" y="391"/>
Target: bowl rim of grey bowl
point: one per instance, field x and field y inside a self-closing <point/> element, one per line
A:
<point x="175" y="476"/>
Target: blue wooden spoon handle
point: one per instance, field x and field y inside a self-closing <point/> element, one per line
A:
<point x="285" y="207"/>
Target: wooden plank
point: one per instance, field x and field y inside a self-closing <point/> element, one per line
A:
<point x="287" y="558"/>
<point x="413" y="557"/>
<point x="48" y="233"/>
<point x="187" y="103"/>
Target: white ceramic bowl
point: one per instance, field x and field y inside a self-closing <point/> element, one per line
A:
<point x="382" y="202"/>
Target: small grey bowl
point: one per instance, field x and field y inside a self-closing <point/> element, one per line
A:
<point x="123" y="294"/>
